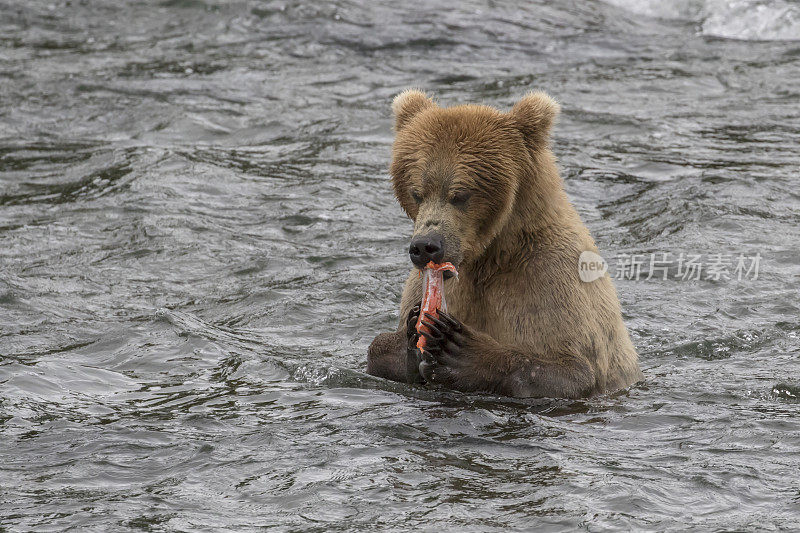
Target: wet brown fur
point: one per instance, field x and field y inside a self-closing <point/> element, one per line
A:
<point x="533" y="327"/>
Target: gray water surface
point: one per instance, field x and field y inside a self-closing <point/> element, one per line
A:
<point x="198" y="241"/>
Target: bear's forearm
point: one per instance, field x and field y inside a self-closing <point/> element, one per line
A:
<point x="388" y="357"/>
<point x="522" y="373"/>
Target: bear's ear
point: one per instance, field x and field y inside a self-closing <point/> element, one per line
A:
<point x="407" y="104"/>
<point x="535" y="114"/>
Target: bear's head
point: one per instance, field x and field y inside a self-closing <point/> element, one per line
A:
<point x="458" y="172"/>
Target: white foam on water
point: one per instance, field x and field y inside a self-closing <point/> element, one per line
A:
<point x="748" y="20"/>
<point x="677" y="9"/>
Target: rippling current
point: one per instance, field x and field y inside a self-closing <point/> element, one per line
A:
<point x="198" y="241"/>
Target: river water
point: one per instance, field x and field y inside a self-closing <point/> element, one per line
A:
<point x="198" y="241"/>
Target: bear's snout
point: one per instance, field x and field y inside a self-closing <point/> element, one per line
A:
<point x="426" y="248"/>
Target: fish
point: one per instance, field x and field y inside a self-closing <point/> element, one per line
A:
<point x="432" y="295"/>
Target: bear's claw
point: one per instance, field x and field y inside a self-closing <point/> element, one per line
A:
<point x="452" y="322"/>
<point x="411" y="322"/>
<point x="413" y="355"/>
<point x="444" y="335"/>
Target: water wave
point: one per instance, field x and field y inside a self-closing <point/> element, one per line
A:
<point x="747" y="20"/>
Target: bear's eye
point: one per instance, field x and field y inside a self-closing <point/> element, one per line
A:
<point x="460" y="198"/>
<point x="416" y="196"/>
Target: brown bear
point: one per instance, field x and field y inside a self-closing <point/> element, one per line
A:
<point x="484" y="193"/>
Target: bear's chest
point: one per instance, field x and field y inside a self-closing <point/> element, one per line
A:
<point x="497" y="309"/>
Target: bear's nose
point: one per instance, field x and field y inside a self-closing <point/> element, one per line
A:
<point x="426" y="248"/>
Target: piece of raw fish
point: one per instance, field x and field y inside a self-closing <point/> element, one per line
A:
<point x="432" y="295"/>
